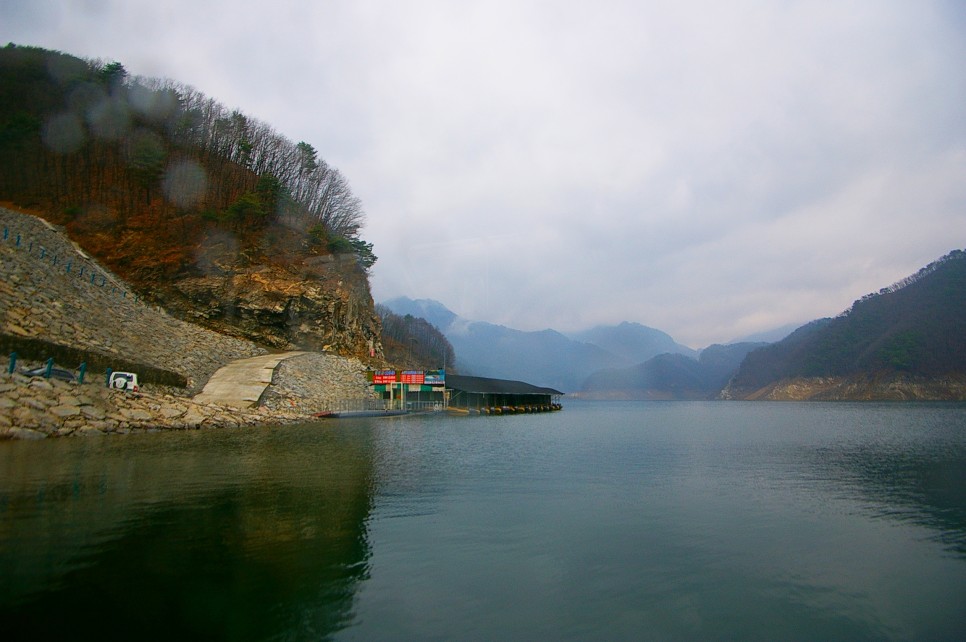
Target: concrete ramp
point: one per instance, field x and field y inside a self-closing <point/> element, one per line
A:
<point x="241" y="383"/>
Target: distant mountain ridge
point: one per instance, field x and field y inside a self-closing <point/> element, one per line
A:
<point x="433" y="311"/>
<point x="767" y="336"/>
<point x="544" y="357"/>
<point x="670" y="376"/>
<point x="633" y="341"/>
<point x="907" y="341"/>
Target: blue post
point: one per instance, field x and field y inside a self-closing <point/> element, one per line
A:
<point x="92" y="278"/>
<point x="55" y="259"/>
<point x="18" y="240"/>
<point x="81" y="371"/>
<point x="107" y="380"/>
<point x="82" y="270"/>
<point x="43" y="251"/>
<point x="69" y="263"/>
<point x="6" y="233"/>
<point x="50" y="366"/>
<point x="13" y="363"/>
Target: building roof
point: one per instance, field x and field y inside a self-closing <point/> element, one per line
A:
<point x="495" y="386"/>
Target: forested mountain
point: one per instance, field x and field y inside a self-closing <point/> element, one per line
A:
<point x="204" y="210"/>
<point x="670" y="376"/>
<point x="76" y="134"/>
<point x="412" y="342"/>
<point x="914" y="328"/>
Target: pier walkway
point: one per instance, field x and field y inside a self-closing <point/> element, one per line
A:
<point x="241" y="383"/>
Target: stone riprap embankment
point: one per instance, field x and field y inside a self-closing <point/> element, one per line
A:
<point x="36" y="408"/>
<point x="313" y="382"/>
<point x="51" y="291"/>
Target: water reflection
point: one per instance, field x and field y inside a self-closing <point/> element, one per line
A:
<point x="913" y="469"/>
<point x="617" y="521"/>
<point x="221" y="535"/>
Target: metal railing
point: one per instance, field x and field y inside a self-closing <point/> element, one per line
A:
<point x="352" y="405"/>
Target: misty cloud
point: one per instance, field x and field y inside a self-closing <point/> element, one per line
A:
<point x="64" y="133"/>
<point x="184" y="183"/>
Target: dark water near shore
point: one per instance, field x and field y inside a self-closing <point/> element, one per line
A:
<point x="604" y="521"/>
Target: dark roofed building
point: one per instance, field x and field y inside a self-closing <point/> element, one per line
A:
<point x="482" y="393"/>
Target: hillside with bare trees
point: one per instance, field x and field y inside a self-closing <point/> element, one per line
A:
<point x="203" y="209"/>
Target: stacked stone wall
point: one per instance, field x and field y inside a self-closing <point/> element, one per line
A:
<point x="55" y="301"/>
<point x="52" y="292"/>
<point x="36" y="408"/>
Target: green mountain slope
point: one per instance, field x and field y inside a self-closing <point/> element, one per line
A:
<point x="915" y="328"/>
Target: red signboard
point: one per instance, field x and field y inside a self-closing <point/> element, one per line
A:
<point x="413" y="376"/>
<point x="384" y="377"/>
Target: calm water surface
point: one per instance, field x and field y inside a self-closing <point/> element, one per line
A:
<point x="604" y="521"/>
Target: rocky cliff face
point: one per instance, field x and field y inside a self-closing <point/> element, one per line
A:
<point x="323" y="306"/>
<point x="275" y="293"/>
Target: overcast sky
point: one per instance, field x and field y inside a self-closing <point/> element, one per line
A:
<point x="711" y="169"/>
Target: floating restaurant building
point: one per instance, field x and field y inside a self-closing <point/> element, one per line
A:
<point x="410" y="389"/>
<point x="435" y="390"/>
<point x="499" y="396"/>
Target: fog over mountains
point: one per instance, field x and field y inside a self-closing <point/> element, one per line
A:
<point x="545" y="357"/>
<point x="906" y="341"/>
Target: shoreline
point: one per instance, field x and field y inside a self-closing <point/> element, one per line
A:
<point x="38" y="408"/>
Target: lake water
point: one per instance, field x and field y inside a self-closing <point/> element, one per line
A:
<point x="614" y="520"/>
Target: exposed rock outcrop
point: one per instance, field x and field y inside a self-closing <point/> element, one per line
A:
<point x="316" y="308"/>
<point x="890" y="387"/>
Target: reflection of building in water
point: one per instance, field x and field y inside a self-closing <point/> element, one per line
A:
<point x="216" y="535"/>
